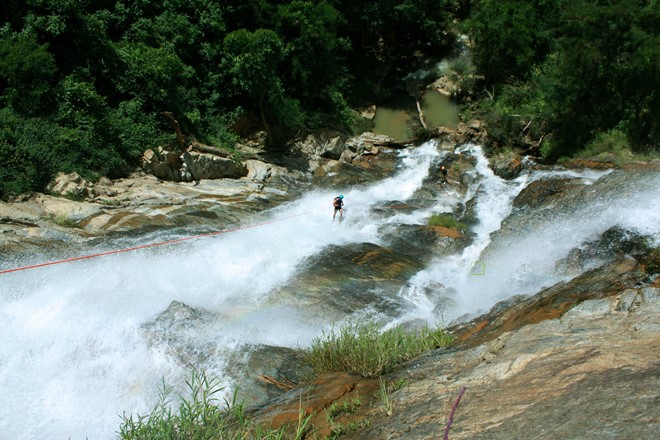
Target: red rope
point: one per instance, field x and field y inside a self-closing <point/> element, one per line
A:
<point x="453" y="410"/>
<point x="145" y="246"/>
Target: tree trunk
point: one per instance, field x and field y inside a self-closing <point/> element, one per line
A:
<point x="180" y="140"/>
<point x="396" y="144"/>
<point x="269" y="134"/>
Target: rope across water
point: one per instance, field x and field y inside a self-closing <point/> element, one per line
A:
<point x="150" y="245"/>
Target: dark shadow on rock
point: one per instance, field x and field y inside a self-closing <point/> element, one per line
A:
<point x="344" y="279"/>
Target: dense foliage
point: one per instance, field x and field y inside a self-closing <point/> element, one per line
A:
<point x="83" y="83"/>
<point x="569" y="74"/>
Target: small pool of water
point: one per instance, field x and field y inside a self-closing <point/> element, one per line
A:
<point x="398" y="120"/>
<point x="439" y="110"/>
<point x="395" y="123"/>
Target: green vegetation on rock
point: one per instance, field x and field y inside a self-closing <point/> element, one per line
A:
<point x="202" y="416"/>
<point x="359" y="348"/>
<point x="364" y="349"/>
<point x="447" y="221"/>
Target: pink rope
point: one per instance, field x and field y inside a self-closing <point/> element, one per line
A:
<point x="145" y="246"/>
<point x="453" y="410"/>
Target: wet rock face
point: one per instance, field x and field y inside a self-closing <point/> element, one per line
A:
<point x="534" y="367"/>
<point x="424" y="242"/>
<point x="178" y="331"/>
<point x="542" y="192"/>
<point x="549" y="303"/>
<point x="262" y="372"/>
<point x="612" y="244"/>
<point x="257" y="372"/>
<point x="507" y="166"/>
<point x="345" y="279"/>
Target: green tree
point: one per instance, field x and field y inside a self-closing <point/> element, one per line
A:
<point x="314" y="66"/>
<point x="251" y="61"/>
<point x="404" y="28"/>
<point x="25" y="162"/>
<point x="313" y="49"/>
<point x="570" y="70"/>
<point x="155" y="75"/>
<point x="88" y="142"/>
<point x="510" y="37"/>
<point x="603" y="74"/>
<point x="27" y="71"/>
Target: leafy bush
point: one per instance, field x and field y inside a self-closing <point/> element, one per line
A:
<point x="363" y="348"/>
<point x="26" y="161"/>
<point x="561" y="73"/>
<point x="613" y="141"/>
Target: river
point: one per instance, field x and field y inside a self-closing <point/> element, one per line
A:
<point x="74" y="356"/>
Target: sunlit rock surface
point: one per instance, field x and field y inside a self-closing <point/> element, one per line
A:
<point x="580" y="360"/>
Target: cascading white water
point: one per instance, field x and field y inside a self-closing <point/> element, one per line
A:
<point x="74" y="358"/>
<point x="485" y="273"/>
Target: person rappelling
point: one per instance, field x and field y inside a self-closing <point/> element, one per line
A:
<point x="338" y="203"/>
<point x="443" y="174"/>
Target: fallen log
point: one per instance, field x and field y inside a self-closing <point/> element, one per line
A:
<point x="201" y="148"/>
<point x="421" y="114"/>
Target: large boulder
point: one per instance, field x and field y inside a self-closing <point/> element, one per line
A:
<point x="507" y="165"/>
<point x="262" y="372"/>
<point x="70" y="185"/>
<point x="328" y="144"/>
<point x="191" y="166"/>
<point x="208" y="166"/>
<point x="162" y="164"/>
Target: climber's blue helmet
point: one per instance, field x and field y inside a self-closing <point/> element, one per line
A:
<point x="341" y="197"/>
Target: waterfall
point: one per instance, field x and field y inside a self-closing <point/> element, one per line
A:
<point x="525" y="260"/>
<point x="74" y="356"/>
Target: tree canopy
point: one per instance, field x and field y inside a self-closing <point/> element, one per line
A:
<point x="569" y="71"/>
<point x="84" y="84"/>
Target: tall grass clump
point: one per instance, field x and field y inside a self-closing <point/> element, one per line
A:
<point x="203" y="416"/>
<point x="364" y="349"/>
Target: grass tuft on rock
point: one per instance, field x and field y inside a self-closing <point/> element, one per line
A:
<point x="365" y="349"/>
<point x="447" y="221"/>
<point x="203" y="416"/>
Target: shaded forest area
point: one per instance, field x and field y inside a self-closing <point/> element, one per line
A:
<point x="574" y="74"/>
<point x="85" y="85"/>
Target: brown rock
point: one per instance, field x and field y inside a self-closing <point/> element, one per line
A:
<point x="542" y="192"/>
<point x="654" y="165"/>
<point x="313" y="399"/>
<point x="441" y="231"/>
<point x="589" y="163"/>
<point x="550" y="303"/>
